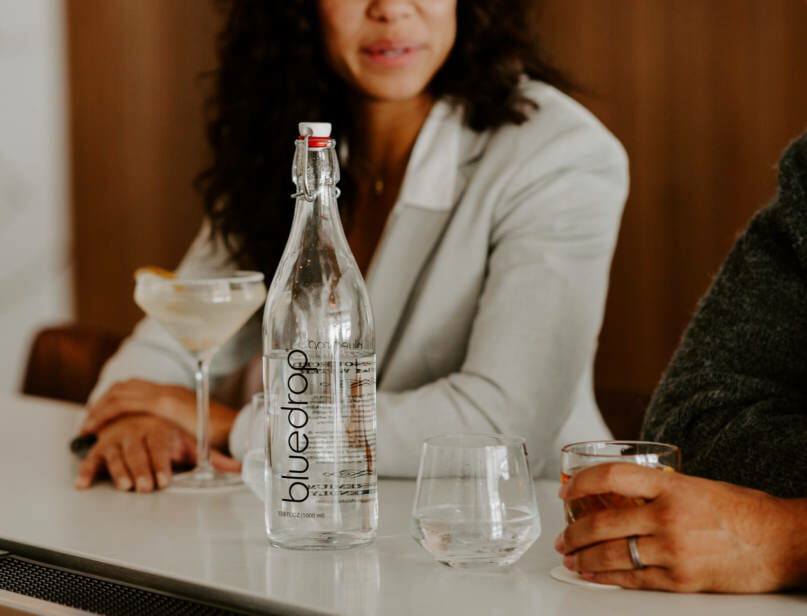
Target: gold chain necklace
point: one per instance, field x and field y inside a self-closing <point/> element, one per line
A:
<point x="378" y="186"/>
<point x="377" y="183"/>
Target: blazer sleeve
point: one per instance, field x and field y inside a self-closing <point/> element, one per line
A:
<point x="539" y="314"/>
<point x="150" y="353"/>
<point x="734" y="397"/>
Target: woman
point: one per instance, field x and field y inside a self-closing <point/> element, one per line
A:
<point x="481" y="204"/>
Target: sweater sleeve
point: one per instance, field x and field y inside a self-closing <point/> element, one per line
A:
<point x="734" y="397"/>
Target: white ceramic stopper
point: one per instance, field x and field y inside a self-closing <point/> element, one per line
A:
<point x="318" y="129"/>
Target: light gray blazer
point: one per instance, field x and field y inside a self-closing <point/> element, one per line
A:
<point x="488" y="287"/>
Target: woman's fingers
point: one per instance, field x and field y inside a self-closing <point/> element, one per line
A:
<point x="615" y="555"/>
<point x="132" y="396"/>
<point x="219" y="461"/>
<point x="138" y="462"/>
<point x="117" y="468"/>
<point x="111" y="406"/>
<point x="183" y="449"/>
<point x="90" y="467"/>
<point x="159" y="449"/>
<point x="140" y="450"/>
<point x="629" y="480"/>
<point x="607" y="525"/>
<point x="224" y="463"/>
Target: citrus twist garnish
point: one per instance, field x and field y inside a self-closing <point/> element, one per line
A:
<point x="156" y="271"/>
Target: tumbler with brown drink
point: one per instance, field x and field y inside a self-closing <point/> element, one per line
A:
<point x="578" y="456"/>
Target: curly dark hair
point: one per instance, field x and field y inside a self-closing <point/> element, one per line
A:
<point x="272" y="73"/>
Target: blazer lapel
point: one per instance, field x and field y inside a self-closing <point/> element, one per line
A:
<point x="408" y="241"/>
<point x="432" y="182"/>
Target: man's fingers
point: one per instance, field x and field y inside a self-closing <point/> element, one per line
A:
<point x="224" y="463"/>
<point x="615" y="555"/>
<point x="159" y="449"/>
<point x="652" y="578"/>
<point x="137" y="461"/>
<point x="89" y="468"/>
<point x="629" y="480"/>
<point x="117" y="469"/>
<point x="609" y="524"/>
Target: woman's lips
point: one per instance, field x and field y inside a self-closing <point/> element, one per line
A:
<point x="390" y="54"/>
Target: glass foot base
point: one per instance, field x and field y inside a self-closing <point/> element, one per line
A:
<point x="202" y="478"/>
<point x="474" y="560"/>
<point x="477" y="564"/>
<point x="321" y="541"/>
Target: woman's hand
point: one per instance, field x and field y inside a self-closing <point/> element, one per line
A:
<point x="138" y="451"/>
<point x="693" y="534"/>
<point x="172" y="402"/>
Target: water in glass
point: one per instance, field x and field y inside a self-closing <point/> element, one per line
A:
<point x="475" y="501"/>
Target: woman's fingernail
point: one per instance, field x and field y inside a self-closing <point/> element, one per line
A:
<point x="162" y="480"/>
<point x="564" y="490"/>
<point x="143" y="484"/>
<point x="81" y="483"/>
<point x="568" y="562"/>
<point x="588" y="575"/>
<point x="124" y="484"/>
<point x="559" y="543"/>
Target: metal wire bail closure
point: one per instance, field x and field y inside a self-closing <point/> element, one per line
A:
<point x="306" y="192"/>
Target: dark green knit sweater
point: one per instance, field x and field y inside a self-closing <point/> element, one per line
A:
<point x="734" y="397"/>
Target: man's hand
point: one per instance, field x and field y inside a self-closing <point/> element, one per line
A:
<point x="172" y="402"/>
<point x="693" y="534"/>
<point x="138" y="451"/>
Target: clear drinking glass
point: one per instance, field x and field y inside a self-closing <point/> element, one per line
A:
<point x="201" y="314"/>
<point x="258" y="423"/>
<point x="475" y="502"/>
<point x="578" y="456"/>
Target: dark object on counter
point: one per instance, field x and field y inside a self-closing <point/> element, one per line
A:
<point x="81" y="445"/>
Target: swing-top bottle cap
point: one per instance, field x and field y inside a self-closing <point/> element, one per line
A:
<point x="318" y="129"/>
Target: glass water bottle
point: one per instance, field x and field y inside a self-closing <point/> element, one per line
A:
<point x="319" y="371"/>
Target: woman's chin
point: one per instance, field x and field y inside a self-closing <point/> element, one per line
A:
<point x="392" y="88"/>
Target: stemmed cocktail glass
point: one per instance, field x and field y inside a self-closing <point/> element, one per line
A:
<point x="201" y="314"/>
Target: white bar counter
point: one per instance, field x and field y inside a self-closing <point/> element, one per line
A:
<point x="215" y="544"/>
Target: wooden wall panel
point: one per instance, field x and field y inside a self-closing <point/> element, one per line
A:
<point x="137" y="142"/>
<point x="704" y="94"/>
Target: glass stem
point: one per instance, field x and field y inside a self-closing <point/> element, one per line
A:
<point x="203" y="415"/>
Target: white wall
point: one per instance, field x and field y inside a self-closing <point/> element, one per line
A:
<point x="35" y="276"/>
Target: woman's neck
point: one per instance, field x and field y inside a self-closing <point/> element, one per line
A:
<point x="379" y="152"/>
<point x="388" y="132"/>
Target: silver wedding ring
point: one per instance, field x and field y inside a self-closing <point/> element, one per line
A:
<point x="634" y="552"/>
